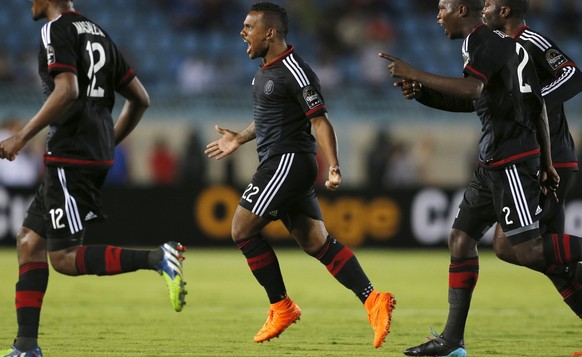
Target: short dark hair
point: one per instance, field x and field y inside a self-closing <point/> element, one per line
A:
<point x="474" y="5"/>
<point x="518" y="7"/>
<point x="275" y="16"/>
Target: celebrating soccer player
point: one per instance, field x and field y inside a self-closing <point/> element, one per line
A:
<point x="287" y="105"/>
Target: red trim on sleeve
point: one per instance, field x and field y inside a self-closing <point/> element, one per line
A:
<point x="565" y="165"/>
<point x="479" y="74"/>
<point x="126" y="76"/>
<point x="62" y="66"/>
<point x="316" y="109"/>
<point x="567" y="64"/>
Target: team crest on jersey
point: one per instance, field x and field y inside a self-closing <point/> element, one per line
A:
<point x="311" y="97"/>
<point x="555" y="58"/>
<point x="269" y="87"/>
<point x="50" y="55"/>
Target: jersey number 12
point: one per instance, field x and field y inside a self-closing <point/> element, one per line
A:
<point x="93" y="90"/>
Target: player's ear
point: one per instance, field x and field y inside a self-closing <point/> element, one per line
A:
<point x="505" y="11"/>
<point x="463" y="10"/>
<point x="271" y="33"/>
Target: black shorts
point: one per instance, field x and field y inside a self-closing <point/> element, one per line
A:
<point x="67" y="199"/>
<point x="283" y="186"/>
<point x="508" y="196"/>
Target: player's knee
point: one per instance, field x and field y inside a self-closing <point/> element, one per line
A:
<point x="30" y="246"/>
<point x="502" y="250"/>
<point x="237" y="234"/>
<point x="64" y="261"/>
<point x="461" y="245"/>
<point x="530" y="258"/>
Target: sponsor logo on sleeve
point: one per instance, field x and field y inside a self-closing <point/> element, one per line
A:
<point x="50" y="55"/>
<point x="555" y="58"/>
<point x="311" y="97"/>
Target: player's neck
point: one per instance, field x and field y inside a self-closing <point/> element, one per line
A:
<point x="58" y="9"/>
<point x="275" y="52"/>
<point x="512" y="27"/>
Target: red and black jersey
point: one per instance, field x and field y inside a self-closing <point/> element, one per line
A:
<point x="510" y="100"/>
<point x="561" y="80"/>
<point x="286" y="95"/>
<point x="83" y="136"/>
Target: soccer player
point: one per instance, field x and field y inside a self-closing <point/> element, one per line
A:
<point x="501" y="85"/>
<point x="80" y="69"/>
<point x="561" y="80"/>
<point x="287" y="104"/>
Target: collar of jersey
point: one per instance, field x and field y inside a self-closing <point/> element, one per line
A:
<point x="290" y="49"/>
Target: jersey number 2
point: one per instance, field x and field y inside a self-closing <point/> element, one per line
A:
<point x="93" y="90"/>
<point x="523" y="87"/>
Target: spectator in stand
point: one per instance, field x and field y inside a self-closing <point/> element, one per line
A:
<point x="193" y="163"/>
<point x="162" y="163"/>
<point x="377" y="160"/>
<point x="119" y="174"/>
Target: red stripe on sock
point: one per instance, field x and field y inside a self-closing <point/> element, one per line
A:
<point x="244" y="242"/>
<point x="113" y="260"/>
<point x="29" y="298"/>
<point x="556" y="243"/>
<point x="32" y="266"/>
<point x="567" y="247"/>
<point x="463" y="280"/>
<point x="340" y="259"/>
<point x="80" y="260"/>
<point x="261" y="261"/>
<point x="568" y="292"/>
<point x="473" y="262"/>
<point x="324" y="249"/>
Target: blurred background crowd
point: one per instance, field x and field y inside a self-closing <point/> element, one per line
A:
<point x="190" y="57"/>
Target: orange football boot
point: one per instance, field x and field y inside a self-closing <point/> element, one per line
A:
<point x="281" y="315"/>
<point x="380" y="306"/>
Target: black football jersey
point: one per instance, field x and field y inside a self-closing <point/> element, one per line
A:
<point x="286" y="96"/>
<point x="510" y="100"/>
<point x="560" y="79"/>
<point x="83" y="135"/>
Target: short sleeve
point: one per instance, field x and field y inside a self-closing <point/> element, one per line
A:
<point x="60" y="46"/>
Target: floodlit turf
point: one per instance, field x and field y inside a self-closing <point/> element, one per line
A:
<point x="515" y="312"/>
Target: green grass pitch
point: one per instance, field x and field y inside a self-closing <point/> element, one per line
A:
<point x="515" y="312"/>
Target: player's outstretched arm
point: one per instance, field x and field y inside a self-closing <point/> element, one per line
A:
<point x="136" y="103"/>
<point x="229" y="142"/>
<point x="65" y="93"/>
<point x="468" y="87"/>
